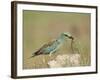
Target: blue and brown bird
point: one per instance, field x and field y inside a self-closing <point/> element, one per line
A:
<point x="52" y="46"/>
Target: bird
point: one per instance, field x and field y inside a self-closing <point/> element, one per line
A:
<point x="53" y="46"/>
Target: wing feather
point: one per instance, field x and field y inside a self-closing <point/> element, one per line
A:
<point x="41" y="50"/>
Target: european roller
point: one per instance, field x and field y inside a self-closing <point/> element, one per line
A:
<point x="53" y="46"/>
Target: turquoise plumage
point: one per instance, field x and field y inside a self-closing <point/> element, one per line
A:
<point x="53" y="46"/>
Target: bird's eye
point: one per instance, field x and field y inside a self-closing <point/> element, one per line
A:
<point x="66" y="35"/>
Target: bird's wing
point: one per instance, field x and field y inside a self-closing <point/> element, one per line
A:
<point x="50" y="43"/>
<point x="41" y="50"/>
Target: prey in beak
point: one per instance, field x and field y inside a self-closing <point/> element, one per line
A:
<point x="70" y="37"/>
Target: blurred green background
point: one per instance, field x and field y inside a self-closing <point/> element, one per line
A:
<point x="40" y="27"/>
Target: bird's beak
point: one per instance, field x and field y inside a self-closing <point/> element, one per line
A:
<point x="70" y="37"/>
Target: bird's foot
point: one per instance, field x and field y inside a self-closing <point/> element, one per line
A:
<point x="50" y="54"/>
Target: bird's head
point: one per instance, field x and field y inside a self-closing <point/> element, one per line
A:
<point x="67" y="35"/>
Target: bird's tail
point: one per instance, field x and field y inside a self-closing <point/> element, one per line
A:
<point x="33" y="55"/>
